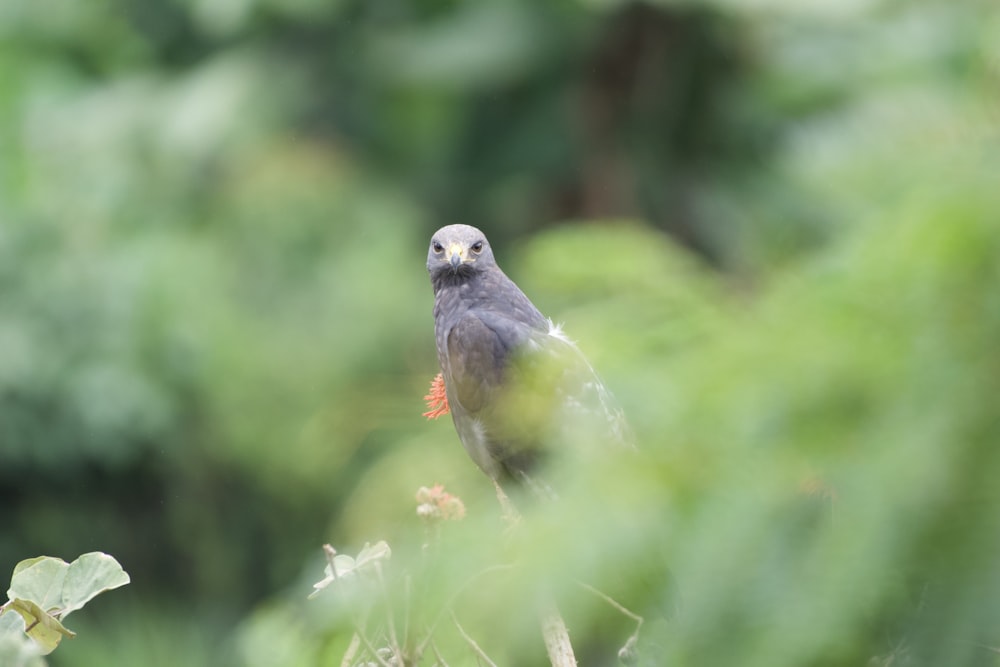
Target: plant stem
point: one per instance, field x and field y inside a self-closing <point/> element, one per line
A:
<point x="472" y="642"/>
<point x="556" y="636"/>
<point x="389" y="613"/>
<point x="454" y="596"/>
<point x="629" y="648"/>
<point x="438" y="658"/>
<point x="352" y="650"/>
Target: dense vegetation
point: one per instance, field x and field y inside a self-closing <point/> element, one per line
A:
<point x="772" y="227"/>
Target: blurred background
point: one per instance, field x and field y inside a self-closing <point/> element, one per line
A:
<point x="771" y="225"/>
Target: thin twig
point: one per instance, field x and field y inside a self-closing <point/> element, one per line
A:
<point x="352" y="650"/>
<point x="407" y="593"/>
<point x="437" y="655"/>
<point x="451" y="600"/>
<point x="611" y="601"/>
<point x="391" y="624"/>
<point x="371" y="649"/>
<point x="330" y="552"/>
<point x="472" y="642"/>
<point x="629" y="648"/>
<point x="361" y="630"/>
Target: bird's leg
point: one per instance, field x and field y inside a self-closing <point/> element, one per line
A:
<point x="509" y="514"/>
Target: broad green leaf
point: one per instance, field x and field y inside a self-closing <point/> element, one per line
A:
<point x="89" y="575"/>
<point x="60" y="588"/>
<point x="28" y="562"/>
<point x="45" y="629"/>
<point x="39" y="580"/>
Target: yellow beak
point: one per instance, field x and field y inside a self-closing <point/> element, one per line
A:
<point x="456" y="254"/>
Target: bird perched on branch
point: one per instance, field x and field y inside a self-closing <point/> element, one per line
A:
<point x="515" y="384"/>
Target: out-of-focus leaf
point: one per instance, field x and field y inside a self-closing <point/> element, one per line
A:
<point x="343" y="566"/>
<point x="11" y="625"/>
<point x="16" y="650"/>
<point x="348" y="567"/>
<point x="479" y="45"/>
<point x="372" y="554"/>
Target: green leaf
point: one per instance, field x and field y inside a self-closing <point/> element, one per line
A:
<point x="45" y="589"/>
<point x="41" y="626"/>
<point x="61" y="588"/>
<point x="344" y="566"/>
<point x="88" y="576"/>
<point x="39" y="580"/>
<point x="348" y="567"/>
<point x="28" y="562"/>
<point x="372" y="554"/>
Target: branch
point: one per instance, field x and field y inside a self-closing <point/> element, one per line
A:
<point x="557" y="643"/>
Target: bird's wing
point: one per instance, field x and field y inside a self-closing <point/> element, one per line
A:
<point x="520" y="394"/>
<point x="476" y="376"/>
<point x="583" y="404"/>
<point x="523" y="381"/>
<point x="475" y="363"/>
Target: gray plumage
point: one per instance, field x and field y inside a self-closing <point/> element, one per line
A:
<point x="515" y="383"/>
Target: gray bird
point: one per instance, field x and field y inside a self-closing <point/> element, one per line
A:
<point x="516" y="385"/>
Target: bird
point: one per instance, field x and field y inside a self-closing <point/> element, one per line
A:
<point x="515" y="384"/>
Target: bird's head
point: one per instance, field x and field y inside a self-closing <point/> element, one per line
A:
<point x="458" y="250"/>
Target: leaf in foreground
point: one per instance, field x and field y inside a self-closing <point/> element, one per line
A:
<point x="45" y="590"/>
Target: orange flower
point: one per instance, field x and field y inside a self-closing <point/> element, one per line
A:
<point x="435" y="503"/>
<point x="437" y="399"/>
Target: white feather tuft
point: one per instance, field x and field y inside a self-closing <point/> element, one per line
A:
<point x="556" y="331"/>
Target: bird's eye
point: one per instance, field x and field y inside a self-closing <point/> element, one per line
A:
<point x="437" y="247"/>
<point x="477" y="247"/>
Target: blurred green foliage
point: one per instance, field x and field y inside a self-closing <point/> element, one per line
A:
<point x="771" y="226"/>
